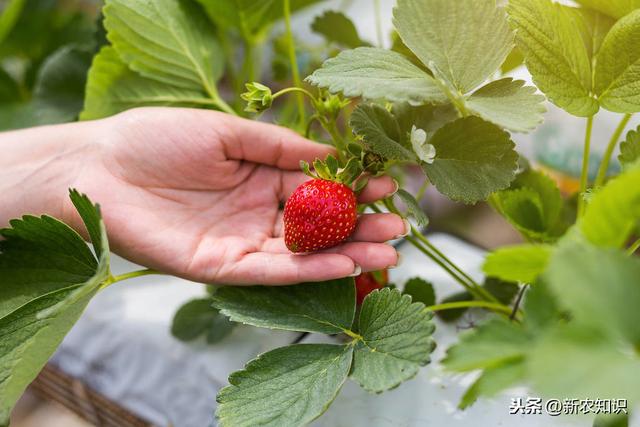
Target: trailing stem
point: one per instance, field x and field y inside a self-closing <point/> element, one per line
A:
<point x="604" y="165"/>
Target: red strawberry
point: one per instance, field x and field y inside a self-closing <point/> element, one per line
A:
<point x="369" y="282"/>
<point x="318" y="215"/>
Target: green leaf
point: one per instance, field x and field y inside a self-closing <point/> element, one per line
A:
<point x="250" y="18"/>
<point x="198" y="317"/>
<point x="48" y="276"/>
<point x="521" y="263"/>
<point x="503" y="290"/>
<point x="327" y="307"/>
<point x="533" y="205"/>
<point x="630" y="148"/>
<point x="613" y="212"/>
<point x="420" y="291"/>
<point x="599" y="287"/>
<point x="413" y="208"/>
<point x="513" y="61"/>
<point x="620" y="420"/>
<point x="464" y="40"/>
<point x="494" y="380"/>
<point x="396" y="340"/>
<point x="428" y="117"/>
<point x="112" y="88"/>
<point x="184" y="52"/>
<point x="578" y="362"/>
<point x="289" y="386"/>
<point x="614" y="8"/>
<point x="375" y="73"/>
<point x="60" y="85"/>
<point x="380" y="132"/>
<point x="474" y="158"/>
<point x="509" y="104"/>
<point x="548" y="34"/>
<point x="618" y="65"/>
<point x="9" y="16"/>
<point x="491" y="345"/>
<point x="337" y="28"/>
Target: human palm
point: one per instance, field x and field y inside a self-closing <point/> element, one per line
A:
<point x="198" y="194"/>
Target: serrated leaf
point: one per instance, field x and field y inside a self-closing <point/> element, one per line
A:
<point x="599" y="287"/>
<point x="380" y="132"/>
<point x="491" y="345"/>
<point x="508" y="103"/>
<point x="474" y="158"/>
<point x="630" y="148"/>
<point x="429" y="118"/>
<point x="375" y="73"/>
<point x="465" y="40"/>
<point x="396" y="340"/>
<point x="618" y="66"/>
<point x="112" y="87"/>
<point x="420" y="291"/>
<point x="614" y="8"/>
<point x="533" y="205"/>
<point x="513" y="61"/>
<point x="613" y="212"/>
<point x="327" y="307"/>
<point x="198" y="317"/>
<point x="521" y="263"/>
<point x="337" y="28"/>
<point x="413" y="208"/>
<point x="184" y="54"/>
<point x="548" y="35"/>
<point x="48" y="277"/>
<point x="289" y="386"/>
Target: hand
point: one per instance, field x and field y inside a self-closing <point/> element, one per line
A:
<point x="198" y="194"/>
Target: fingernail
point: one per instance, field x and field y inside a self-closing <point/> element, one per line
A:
<point x="407" y="229"/>
<point x="356" y="272"/>
<point x="395" y="190"/>
<point x="399" y="260"/>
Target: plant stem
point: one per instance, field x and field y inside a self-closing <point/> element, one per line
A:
<point x="584" y="176"/>
<point x="248" y="67"/>
<point x="633" y="248"/>
<point x="295" y="89"/>
<point x="442" y="265"/>
<point x="604" y="165"/>
<point x="294" y="62"/>
<point x="113" y="279"/>
<point x="469" y="304"/>
<point x="376" y="8"/>
<point x="422" y="190"/>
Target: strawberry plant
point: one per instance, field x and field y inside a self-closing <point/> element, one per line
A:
<point x="437" y="100"/>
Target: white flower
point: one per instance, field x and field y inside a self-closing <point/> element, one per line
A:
<point x="425" y="151"/>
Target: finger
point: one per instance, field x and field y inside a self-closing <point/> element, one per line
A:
<point x="369" y="256"/>
<point x="261" y="268"/>
<point x="291" y="181"/>
<point x="378" y="188"/>
<point x="270" y="144"/>
<point x="379" y="228"/>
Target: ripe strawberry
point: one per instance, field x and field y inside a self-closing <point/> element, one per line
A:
<point x="318" y="215"/>
<point x="369" y="282"/>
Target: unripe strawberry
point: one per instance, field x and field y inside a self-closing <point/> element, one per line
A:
<point x="369" y="282"/>
<point x="318" y="215"/>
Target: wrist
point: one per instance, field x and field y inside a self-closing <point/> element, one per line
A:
<point x="39" y="165"/>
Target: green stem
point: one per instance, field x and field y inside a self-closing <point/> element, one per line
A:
<point x="248" y="67"/>
<point x="295" y="89"/>
<point x="130" y="275"/>
<point x="604" y="165"/>
<point x="442" y="265"/>
<point x="633" y="248"/>
<point x="307" y="130"/>
<point x="422" y="190"/>
<point x="584" y="176"/>
<point x="376" y="8"/>
<point x="469" y="304"/>
<point x="294" y="62"/>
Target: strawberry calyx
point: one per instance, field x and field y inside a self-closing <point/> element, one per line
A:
<point x="331" y="170"/>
